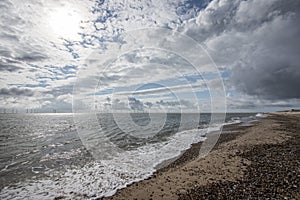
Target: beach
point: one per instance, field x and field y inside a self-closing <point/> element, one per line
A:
<point x="249" y="162"/>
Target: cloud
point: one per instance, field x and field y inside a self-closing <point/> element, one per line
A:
<point x="117" y="104"/>
<point x="16" y="92"/>
<point x="257" y="41"/>
<point x="178" y="104"/>
<point x="199" y="86"/>
<point x="243" y="103"/>
<point x="273" y="68"/>
<point x="9" y="67"/>
<point x="8" y="62"/>
<point x="168" y="103"/>
<point x="135" y="104"/>
<point x="33" y="54"/>
<point x="67" y="98"/>
<point x="148" y="104"/>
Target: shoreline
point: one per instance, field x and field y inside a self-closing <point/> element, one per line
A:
<point x="187" y="175"/>
<point x="229" y="132"/>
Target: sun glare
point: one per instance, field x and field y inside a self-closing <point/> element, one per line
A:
<point x="65" y="24"/>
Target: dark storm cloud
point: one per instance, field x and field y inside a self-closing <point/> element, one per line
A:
<point x="15" y="92"/>
<point x="257" y="40"/>
<point x="279" y="80"/>
<point x="272" y="69"/>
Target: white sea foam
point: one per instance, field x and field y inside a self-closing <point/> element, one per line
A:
<point x="103" y="178"/>
<point x="261" y="115"/>
<point x="245" y="121"/>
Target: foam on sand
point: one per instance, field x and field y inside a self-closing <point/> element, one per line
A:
<point x="103" y="178"/>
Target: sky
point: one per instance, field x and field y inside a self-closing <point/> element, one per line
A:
<point x="149" y="56"/>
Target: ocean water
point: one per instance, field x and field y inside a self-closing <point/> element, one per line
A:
<point x="43" y="156"/>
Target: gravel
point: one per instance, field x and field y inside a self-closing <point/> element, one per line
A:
<point x="274" y="171"/>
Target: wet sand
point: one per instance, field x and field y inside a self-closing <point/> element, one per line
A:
<point x="257" y="162"/>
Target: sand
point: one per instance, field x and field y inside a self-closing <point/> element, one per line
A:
<point x="257" y="162"/>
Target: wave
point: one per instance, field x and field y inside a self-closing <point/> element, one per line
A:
<point x="102" y="178"/>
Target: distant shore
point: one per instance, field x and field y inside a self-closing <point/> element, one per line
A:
<point x="257" y="162"/>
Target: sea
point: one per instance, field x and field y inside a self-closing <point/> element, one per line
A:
<point x="44" y="156"/>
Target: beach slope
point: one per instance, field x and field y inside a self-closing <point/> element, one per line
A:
<point x="257" y="162"/>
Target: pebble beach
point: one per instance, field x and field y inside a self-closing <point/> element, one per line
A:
<point x="260" y="161"/>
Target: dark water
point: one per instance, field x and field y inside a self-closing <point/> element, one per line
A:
<point x="38" y="146"/>
<point x="172" y="125"/>
<point x="31" y="144"/>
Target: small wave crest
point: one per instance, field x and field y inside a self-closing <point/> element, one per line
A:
<point x="103" y="178"/>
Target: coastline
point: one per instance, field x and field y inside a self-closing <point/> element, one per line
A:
<point x="227" y="166"/>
